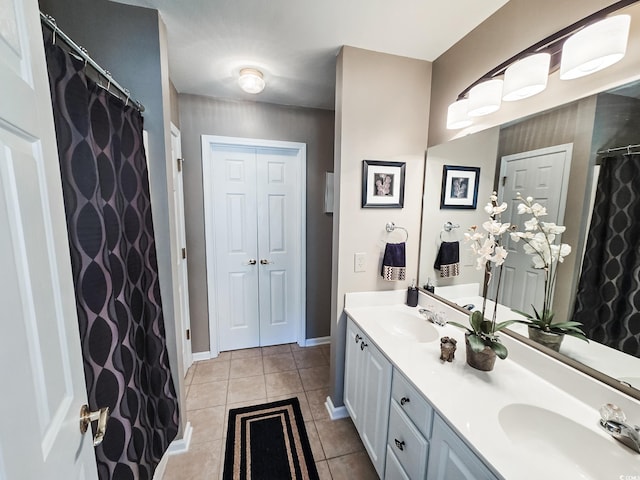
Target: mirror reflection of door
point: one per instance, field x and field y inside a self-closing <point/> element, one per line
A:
<point x="544" y="175"/>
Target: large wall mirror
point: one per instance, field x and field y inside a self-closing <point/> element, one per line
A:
<point x="574" y="140"/>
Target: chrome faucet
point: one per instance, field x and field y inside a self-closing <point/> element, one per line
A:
<point x="437" y="318"/>
<point x="614" y="421"/>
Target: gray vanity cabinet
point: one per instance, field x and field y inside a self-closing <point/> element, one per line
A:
<point x="367" y="390"/>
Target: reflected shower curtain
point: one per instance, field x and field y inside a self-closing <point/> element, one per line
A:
<point x="113" y="256"/>
<point x="608" y="297"/>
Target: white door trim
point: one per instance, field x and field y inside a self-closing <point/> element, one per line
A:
<point x="208" y="141"/>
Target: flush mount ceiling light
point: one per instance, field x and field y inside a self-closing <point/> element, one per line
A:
<point x="457" y="115"/>
<point x="485" y="98"/>
<point x="526" y="77"/>
<point x="595" y="47"/>
<point x="251" y="80"/>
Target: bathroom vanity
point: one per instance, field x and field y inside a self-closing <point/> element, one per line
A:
<point x="420" y="418"/>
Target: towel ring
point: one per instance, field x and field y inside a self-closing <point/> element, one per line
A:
<point x="390" y="227"/>
<point x="447" y="227"/>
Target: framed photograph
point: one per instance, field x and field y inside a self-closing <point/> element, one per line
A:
<point x="459" y="187"/>
<point x="382" y="184"/>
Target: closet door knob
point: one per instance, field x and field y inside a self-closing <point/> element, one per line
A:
<point x="399" y="444"/>
<point x="362" y="345"/>
<point x="101" y="416"/>
<point x="264" y="261"/>
<point x="404" y="400"/>
<point x="252" y="261"/>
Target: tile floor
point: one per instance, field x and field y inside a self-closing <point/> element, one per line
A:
<point x="257" y="375"/>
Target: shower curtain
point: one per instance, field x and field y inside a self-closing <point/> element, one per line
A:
<point x="608" y="297"/>
<point x="113" y="256"/>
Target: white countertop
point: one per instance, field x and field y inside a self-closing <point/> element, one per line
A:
<point x="472" y="401"/>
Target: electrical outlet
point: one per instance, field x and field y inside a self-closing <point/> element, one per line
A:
<point x="360" y="262"/>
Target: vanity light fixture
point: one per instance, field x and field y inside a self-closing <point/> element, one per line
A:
<point x="485" y="98"/>
<point x="526" y="77"/>
<point x="457" y="115"/>
<point x="251" y="80"/>
<point x="523" y="73"/>
<point x="595" y="47"/>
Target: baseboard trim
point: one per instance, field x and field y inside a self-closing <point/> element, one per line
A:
<point x="181" y="445"/>
<point x="176" y="447"/>
<point x="200" y="356"/>
<point x="312" y="342"/>
<point x="335" y="413"/>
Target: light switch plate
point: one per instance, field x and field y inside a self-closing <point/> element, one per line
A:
<point x="360" y="262"/>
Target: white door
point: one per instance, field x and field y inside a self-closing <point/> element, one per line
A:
<point x="181" y="259"/>
<point x="254" y="210"/>
<point x="544" y="175"/>
<point x="41" y="370"/>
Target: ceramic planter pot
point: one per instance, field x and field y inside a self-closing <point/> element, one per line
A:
<point x="484" y="360"/>
<point x="548" y="339"/>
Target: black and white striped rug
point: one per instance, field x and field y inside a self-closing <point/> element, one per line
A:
<point x="268" y="441"/>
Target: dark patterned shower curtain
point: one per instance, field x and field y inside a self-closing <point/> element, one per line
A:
<point x="608" y="297"/>
<point x="113" y="256"/>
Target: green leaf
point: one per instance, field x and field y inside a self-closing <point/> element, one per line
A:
<point x="522" y="313"/>
<point x="476" y="343"/>
<point x="536" y="312"/>
<point x="486" y="327"/>
<point x="500" y="349"/>
<point x="502" y="325"/>
<point x="476" y="320"/>
<point x="566" y="324"/>
<point x="459" y="325"/>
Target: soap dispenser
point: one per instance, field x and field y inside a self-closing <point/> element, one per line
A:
<point x="412" y="295"/>
<point x="429" y="286"/>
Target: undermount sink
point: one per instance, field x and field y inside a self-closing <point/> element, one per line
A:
<point x="410" y="327"/>
<point x="565" y="448"/>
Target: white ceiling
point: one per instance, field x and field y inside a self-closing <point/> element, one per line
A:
<point x="295" y="42"/>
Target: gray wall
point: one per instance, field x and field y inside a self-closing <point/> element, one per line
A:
<point x="129" y="42"/>
<point x="209" y="116"/>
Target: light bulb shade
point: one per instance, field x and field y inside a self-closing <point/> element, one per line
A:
<point x="526" y="77"/>
<point x="251" y="80"/>
<point x="595" y="47"/>
<point x="457" y="115"/>
<point x="485" y="98"/>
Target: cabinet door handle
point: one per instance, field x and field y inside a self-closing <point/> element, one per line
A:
<point x="404" y="400"/>
<point x="358" y="338"/>
<point x="399" y="444"/>
<point x="362" y="345"/>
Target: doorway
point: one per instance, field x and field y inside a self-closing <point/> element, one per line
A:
<point x="544" y="175"/>
<point x="254" y="199"/>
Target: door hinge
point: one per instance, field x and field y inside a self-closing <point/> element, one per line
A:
<point x="504" y="181"/>
<point x="179" y="162"/>
<point x="184" y="253"/>
<point x="188" y="334"/>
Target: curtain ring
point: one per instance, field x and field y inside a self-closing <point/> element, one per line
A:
<point x="107" y="75"/>
<point x="126" y="101"/>
<point x="55" y="28"/>
<point x="85" y="55"/>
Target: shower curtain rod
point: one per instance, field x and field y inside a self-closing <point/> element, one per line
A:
<point x="617" y="149"/>
<point x="49" y="21"/>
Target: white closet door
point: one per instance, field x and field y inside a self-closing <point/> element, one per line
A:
<point x="278" y="180"/>
<point x="235" y="233"/>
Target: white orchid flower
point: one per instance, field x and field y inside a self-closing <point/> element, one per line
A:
<point x="522" y="209"/>
<point x="538" y="210"/>
<point x="499" y="256"/>
<point x="531" y="224"/>
<point x="552" y="228"/>
<point x="495" y="228"/>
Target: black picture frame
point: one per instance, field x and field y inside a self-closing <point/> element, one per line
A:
<point x="459" y="187"/>
<point x="382" y="184"/>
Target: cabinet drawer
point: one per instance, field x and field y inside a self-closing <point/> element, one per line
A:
<point x="409" y="446"/>
<point x="394" y="470"/>
<point x="412" y="403"/>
